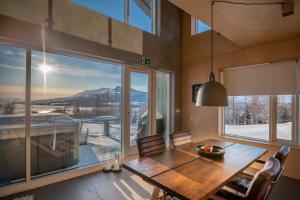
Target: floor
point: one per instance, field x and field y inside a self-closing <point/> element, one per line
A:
<point x="125" y="185"/>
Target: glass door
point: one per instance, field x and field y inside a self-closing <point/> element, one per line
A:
<point x="138" y="104"/>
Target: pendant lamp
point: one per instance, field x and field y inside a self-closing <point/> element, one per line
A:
<point x="212" y="93"/>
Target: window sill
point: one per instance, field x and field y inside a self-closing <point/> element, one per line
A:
<point x="258" y="141"/>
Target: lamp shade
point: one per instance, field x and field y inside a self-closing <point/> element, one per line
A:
<point x="212" y="93"/>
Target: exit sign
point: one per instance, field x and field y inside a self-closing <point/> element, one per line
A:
<point x="145" y="61"/>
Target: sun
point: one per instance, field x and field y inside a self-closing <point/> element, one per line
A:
<point x="45" y="68"/>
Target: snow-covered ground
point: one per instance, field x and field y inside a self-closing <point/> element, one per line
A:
<point x="260" y="131"/>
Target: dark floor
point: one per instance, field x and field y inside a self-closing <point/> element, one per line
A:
<point x="127" y="186"/>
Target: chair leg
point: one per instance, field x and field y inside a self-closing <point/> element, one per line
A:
<point x="155" y="193"/>
<point x="164" y="197"/>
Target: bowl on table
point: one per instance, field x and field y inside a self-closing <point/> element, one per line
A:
<point x="210" y="151"/>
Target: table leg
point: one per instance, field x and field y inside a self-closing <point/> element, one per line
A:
<point x="155" y="193"/>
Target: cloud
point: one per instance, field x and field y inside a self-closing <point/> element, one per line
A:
<point x="12" y="51"/>
<point x="12" y="67"/>
<point x="41" y="92"/>
<point x="82" y="70"/>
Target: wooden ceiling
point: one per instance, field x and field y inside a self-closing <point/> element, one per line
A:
<point x="246" y="25"/>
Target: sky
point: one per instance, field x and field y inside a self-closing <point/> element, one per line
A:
<point x="115" y="9"/>
<point x="66" y="76"/>
<point x="202" y="27"/>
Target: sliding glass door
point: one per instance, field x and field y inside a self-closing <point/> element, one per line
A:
<point x="163" y="105"/>
<point x="137" y="107"/>
<point x="148" y="106"/>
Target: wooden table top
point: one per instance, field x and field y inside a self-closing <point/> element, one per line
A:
<point x="202" y="177"/>
<point x="148" y="167"/>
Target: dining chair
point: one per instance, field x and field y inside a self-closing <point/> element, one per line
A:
<point x="242" y="182"/>
<point x="281" y="155"/>
<point x="180" y="138"/>
<point x="150" y="145"/>
<point x="259" y="187"/>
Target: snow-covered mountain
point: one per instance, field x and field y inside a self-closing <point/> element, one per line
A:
<point x="93" y="97"/>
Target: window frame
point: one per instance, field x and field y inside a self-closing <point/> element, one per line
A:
<point x="155" y="13"/>
<point x="155" y="26"/>
<point x="295" y="137"/>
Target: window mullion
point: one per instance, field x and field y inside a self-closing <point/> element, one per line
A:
<point x="273" y="118"/>
<point x="126" y="11"/>
<point x="28" y="115"/>
<point x="154" y="14"/>
<point x="295" y="120"/>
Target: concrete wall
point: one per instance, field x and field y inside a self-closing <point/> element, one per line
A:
<point x="84" y="33"/>
<point x="203" y="121"/>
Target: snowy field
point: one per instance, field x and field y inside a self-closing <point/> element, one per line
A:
<point x="260" y="131"/>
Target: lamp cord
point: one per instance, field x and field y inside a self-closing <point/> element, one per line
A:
<point x="212" y="22"/>
<point x="212" y="36"/>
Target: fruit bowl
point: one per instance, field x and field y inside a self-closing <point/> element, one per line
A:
<point x="210" y="151"/>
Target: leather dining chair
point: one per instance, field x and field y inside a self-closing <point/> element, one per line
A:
<point x="242" y="182"/>
<point x="259" y="188"/>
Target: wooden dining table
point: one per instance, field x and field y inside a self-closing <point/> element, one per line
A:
<point x="182" y="172"/>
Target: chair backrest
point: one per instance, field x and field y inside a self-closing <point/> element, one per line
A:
<point x="180" y="137"/>
<point x="261" y="182"/>
<point x="282" y="154"/>
<point x="151" y="145"/>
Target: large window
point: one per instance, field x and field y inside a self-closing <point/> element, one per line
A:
<point x="76" y="112"/>
<point x="263" y="102"/>
<point x="67" y="111"/>
<point x="138" y="13"/>
<point x="247" y="116"/>
<point x="250" y="117"/>
<point x="12" y="114"/>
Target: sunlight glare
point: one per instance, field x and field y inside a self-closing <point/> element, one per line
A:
<point x="45" y="68"/>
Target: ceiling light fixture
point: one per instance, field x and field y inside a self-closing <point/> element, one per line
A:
<point x="212" y="93"/>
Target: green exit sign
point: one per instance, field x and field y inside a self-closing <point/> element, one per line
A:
<point x="145" y="61"/>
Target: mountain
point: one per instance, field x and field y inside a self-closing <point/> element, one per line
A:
<point x="93" y="97"/>
<point x="87" y="93"/>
